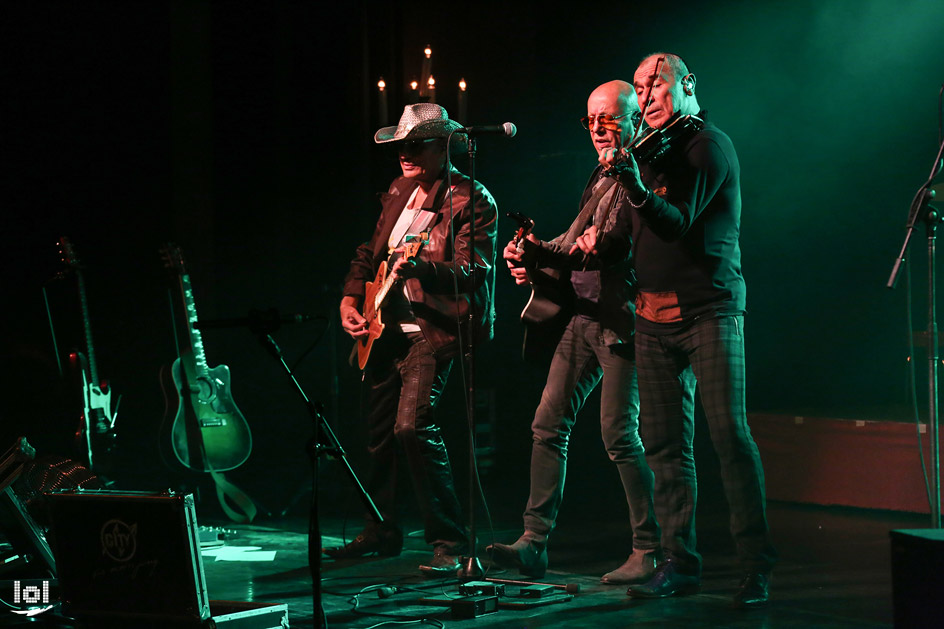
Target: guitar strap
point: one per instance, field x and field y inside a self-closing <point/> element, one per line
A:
<point x="225" y="489"/>
<point x="422" y="219"/>
<point x="587" y="212"/>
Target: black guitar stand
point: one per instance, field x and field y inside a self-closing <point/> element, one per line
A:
<point x="323" y="440"/>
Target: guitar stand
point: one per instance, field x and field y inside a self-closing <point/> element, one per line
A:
<point x="330" y="446"/>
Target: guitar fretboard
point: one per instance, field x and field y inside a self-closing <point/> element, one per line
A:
<point x="196" y="340"/>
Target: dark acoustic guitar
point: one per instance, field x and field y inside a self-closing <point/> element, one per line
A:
<point x="95" y="434"/>
<point x="549" y="308"/>
<point x="375" y="296"/>
<point x="207" y="432"/>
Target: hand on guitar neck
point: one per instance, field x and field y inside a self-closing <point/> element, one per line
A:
<point x="351" y="319"/>
<point x="514" y="251"/>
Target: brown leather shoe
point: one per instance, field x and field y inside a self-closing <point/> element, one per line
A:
<point x="386" y="542"/>
<point x="639" y="568"/>
<point x="526" y="554"/>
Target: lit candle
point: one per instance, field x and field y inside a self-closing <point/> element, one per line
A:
<point x="431" y="88"/>
<point x="463" y="105"/>
<point x="382" y="101"/>
<point x="414" y="95"/>
<point x="426" y="71"/>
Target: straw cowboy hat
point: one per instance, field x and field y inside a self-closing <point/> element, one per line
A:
<point x="419" y="122"/>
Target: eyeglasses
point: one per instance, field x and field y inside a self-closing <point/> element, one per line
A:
<point x="606" y="121"/>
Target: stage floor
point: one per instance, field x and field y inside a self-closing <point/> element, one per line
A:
<point x="834" y="571"/>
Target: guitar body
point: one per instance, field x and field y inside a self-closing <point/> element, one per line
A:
<point x="375" y="295"/>
<point x="95" y="433"/>
<point x="209" y="432"/>
<point x="375" y="326"/>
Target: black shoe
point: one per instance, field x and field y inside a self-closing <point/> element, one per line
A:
<point x="386" y="542"/>
<point x="753" y="591"/>
<point x="443" y="564"/>
<point x="528" y="556"/>
<point x="667" y="581"/>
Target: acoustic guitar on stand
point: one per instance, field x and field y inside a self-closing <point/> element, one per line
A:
<point x="207" y="431"/>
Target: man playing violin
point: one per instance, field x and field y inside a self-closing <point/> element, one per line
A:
<point x="596" y="346"/>
<point x="685" y="221"/>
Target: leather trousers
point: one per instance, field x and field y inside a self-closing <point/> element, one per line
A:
<point x="405" y="380"/>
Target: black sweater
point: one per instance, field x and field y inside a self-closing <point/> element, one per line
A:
<point x="685" y="237"/>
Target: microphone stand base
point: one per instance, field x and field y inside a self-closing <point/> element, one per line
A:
<point x="471" y="569"/>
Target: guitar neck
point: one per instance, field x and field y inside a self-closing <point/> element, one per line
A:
<point x="194" y="338"/>
<point x="381" y="295"/>
<point x="89" y="348"/>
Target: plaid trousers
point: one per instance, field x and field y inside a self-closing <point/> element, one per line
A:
<point x="709" y="353"/>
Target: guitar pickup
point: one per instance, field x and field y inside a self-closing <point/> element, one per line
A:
<point x="213" y="422"/>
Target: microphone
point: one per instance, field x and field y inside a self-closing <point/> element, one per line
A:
<point x="507" y="129"/>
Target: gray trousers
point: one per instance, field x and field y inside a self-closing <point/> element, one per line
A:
<point x="711" y="354"/>
<point x="582" y="359"/>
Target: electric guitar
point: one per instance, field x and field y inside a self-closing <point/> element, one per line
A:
<point x="96" y="431"/>
<point x="375" y="296"/>
<point x="208" y="432"/>
<point x="547" y="310"/>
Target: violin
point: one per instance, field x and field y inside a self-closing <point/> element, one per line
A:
<point x="658" y="142"/>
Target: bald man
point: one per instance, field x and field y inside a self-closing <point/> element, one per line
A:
<point x="686" y="213"/>
<point x="596" y="346"/>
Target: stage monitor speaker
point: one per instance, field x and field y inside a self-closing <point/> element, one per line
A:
<point x="128" y="556"/>
<point x="917" y="577"/>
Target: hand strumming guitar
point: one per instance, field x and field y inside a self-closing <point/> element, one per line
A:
<point x="586" y="242"/>
<point x="351" y="320"/>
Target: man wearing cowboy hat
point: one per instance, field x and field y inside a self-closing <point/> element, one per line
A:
<point x="448" y="285"/>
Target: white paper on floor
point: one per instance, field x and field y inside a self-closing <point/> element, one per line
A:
<point x="240" y="553"/>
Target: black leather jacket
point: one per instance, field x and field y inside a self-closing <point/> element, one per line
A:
<point x="433" y="297"/>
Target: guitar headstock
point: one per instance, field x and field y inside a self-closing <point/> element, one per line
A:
<point x="525" y="225"/>
<point x="173" y="258"/>
<point x="67" y="251"/>
<point x="412" y="243"/>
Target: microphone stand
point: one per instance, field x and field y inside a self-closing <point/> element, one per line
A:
<point x="921" y="210"/>
<point x="262" y="327"/>
<point x="471" y="566"/>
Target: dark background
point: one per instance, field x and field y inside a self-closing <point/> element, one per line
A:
<point x="242" y="132"/>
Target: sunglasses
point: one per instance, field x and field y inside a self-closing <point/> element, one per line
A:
<point x="606" y="121"/>
<point x="412" y="147"/>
